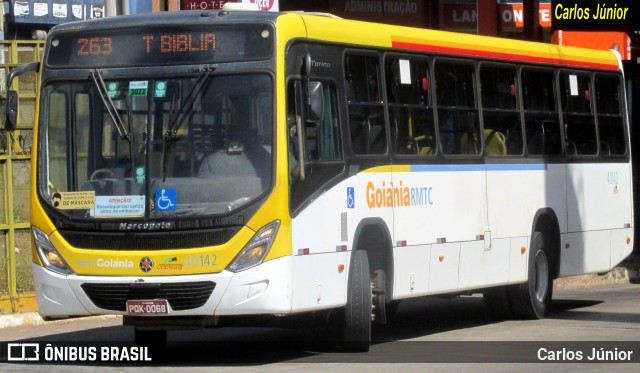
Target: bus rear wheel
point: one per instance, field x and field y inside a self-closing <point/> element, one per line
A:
<point x="531" y="299"/>
<point x="356" y="321"/>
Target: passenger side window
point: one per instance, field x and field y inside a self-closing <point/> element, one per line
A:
<point x="542" y="131"/>
<point x="366" y="119"/>
<point x="323" y="137"/>
<point x="502" y="127"/>
<point x="579" y="122"/>
<point x="610" y="119"/>
<point x="457" y="110"/>
<point x="410" y="111"/>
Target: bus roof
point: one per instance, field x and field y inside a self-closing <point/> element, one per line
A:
<point x="345" y="31"/>
<point x="452" y="43"/>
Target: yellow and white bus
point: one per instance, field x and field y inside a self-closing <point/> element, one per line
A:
<point x="195" y="166"/>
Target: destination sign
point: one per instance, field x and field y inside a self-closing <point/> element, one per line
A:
<point x="166" y="46"/>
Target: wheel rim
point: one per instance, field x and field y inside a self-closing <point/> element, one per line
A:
<point x="542" y="276"/>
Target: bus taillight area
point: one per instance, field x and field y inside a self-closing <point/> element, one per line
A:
<point x="264" y="289"/>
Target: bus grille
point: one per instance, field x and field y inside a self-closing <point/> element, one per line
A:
<point x="148" y="241"/>
<point x="181" y="295"/>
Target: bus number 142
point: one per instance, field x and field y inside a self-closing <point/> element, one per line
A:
<point x="208" y="260"/>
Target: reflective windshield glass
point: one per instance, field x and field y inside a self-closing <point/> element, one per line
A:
<point x="156" y="148"/>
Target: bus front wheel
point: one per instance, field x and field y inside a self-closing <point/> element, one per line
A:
<point x="356" y="321"/>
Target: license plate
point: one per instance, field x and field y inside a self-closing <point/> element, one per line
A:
<point x="148" y="307"/>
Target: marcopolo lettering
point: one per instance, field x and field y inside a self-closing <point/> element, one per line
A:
<point x="149" y="226"/>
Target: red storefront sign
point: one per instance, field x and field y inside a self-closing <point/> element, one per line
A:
<point x="603" y="40"/>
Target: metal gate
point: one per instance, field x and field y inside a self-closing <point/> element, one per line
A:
<point x="16" y="280"/>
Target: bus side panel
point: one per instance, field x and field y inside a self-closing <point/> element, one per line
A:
<point x="596" y="196"/>
<point x="585" y="252"/>
<point x="327" y="226"/>
<point x="445" y="204"/>
<point x="518" y="259"/>
<point x="317" y="280"/>
<point x="320" y="280"/>
<point x="515" y="192"/>
<point x="443" y="271"/>
<point x="621" y="244"/>
<point x="481" y="266"/>
<point x="411" y="278"/>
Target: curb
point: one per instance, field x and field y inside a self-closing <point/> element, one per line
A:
<point x="20" y="319"/>
<point x="33" y="319"/>
<point x="615" y="277"/>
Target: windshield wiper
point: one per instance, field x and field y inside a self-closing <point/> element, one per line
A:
<point x="185" y="111"/>
<point x="108" y="104"/>
<point x="115" y="117"/>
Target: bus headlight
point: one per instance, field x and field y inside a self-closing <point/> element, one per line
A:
<point x="252" y="254"/>
<point x="48" y="254"/>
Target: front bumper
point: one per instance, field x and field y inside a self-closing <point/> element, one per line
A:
<point x="265" y="289"/>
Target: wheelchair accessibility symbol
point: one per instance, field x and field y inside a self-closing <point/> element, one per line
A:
<point x="166" y="199"/>
<point x="351" y="198"/>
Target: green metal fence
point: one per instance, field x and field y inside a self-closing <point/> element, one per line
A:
<point x="16" y="281"/>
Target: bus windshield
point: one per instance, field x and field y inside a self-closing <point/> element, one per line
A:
<point x="154" y="148"/>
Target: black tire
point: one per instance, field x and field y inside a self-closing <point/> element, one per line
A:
<point x="356" y="323"/>
<point x="531" y="299"/>
<point x="496" y="300"/>
<point x="154" y="339"/>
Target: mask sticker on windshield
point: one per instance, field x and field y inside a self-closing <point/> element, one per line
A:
<point x="139" y="88"/>
<point x="118" y="206"/>
<point x="73" y="200"/>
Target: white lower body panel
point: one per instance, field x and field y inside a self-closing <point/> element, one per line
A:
<point x="265" y="289"/>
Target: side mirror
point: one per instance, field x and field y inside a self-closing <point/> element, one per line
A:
<point x="11" y="104"/>
<point x="11" y="111"/>
<point x="315" y="111"/>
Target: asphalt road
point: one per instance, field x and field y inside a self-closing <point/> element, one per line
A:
<point x="446" y="334"/>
